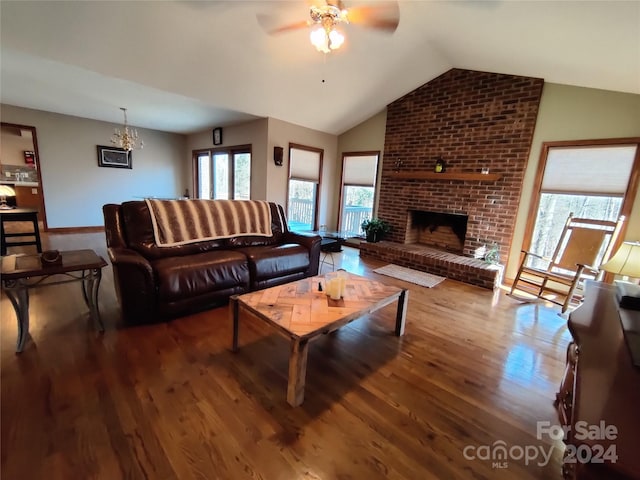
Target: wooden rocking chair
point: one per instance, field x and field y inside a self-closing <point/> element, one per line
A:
<point x="583" y="246"/>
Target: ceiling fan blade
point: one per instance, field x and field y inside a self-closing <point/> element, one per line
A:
<point x="271" y="25"/>
<point x="384" y="16"/>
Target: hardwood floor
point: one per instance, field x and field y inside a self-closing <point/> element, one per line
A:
<point x="171" y="401"/>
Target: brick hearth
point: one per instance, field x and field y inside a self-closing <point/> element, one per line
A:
<point x="446" y="264"/>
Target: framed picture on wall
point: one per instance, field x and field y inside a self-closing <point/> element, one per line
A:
<point x="113" y="157"/>
<point x="217" y="136"/>
<point x="30" y="158"/>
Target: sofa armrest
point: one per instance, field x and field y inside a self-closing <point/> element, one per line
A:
<point x="135" y="285"/>
<point x="312" y="243"/>
<point x="131" y="258"/>
<point x="308" y="240"/>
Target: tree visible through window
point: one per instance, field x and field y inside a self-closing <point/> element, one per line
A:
<point x="242" y="176"/>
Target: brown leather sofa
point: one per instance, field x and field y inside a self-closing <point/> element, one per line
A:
<point x="154" y="283"/>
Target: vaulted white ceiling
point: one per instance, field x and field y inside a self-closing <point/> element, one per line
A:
<point x="183" y="66"/>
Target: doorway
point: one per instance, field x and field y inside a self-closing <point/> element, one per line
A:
<point x="20" y="167"/>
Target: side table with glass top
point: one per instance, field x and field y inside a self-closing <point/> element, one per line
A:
<point x="330" y="244"/>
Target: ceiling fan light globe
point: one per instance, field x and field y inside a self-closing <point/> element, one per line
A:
<point x="319" y="39"/>
<point x="336" y="39"/>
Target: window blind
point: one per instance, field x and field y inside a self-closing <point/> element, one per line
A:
<point x="304" y="164"/>
<point x="597" y="170"/>
<point x="360" y="170"/>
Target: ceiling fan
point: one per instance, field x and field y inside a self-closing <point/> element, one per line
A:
<point x="325" y="16"/>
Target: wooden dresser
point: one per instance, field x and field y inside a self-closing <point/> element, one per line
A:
<point x="599" y="396"/>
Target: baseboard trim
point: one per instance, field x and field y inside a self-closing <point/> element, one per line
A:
<point x="76" y="230"/>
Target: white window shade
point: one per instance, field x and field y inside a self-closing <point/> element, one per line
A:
<point x="360" y="170"/>
<point x="597" y="170"/>
<point x="305" y="165"/>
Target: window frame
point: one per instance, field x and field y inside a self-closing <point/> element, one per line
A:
<point x="629" y="195"/>
<point x="230" y="152"/>
<point x="369" y="153"/>
<point x="196" y="170"/>
<point x="316" y="207"/>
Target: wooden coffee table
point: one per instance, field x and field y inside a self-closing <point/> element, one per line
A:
<point x="299" y="311"/>
<point x="20" y="273"/>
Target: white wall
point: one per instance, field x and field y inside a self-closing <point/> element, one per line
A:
<point x="75" y="188"/>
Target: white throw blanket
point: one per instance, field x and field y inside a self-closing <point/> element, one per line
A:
<point x="179" y="222"/>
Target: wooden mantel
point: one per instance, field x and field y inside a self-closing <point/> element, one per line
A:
<point x="474" y="177"/>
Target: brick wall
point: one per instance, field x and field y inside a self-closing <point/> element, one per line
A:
<point x="472" y="120"/>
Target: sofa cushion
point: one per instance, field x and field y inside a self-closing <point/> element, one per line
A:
<point x="276" y="260"/>
<point x="184" y="277"/>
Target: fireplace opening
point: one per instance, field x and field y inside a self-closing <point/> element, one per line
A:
<point x="446" y="231"/>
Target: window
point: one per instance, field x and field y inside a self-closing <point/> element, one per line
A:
<point x="589" y="179"/>
<point x="305" y="167"/>
<point x="203" y="175"/>
<point x="358" y="188"/>
<point x="224" y="173"/>
<point x="242" y="175"/>
<point x="220" y="176"/>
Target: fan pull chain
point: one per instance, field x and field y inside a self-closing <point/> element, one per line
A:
<point x="324" y="64"/>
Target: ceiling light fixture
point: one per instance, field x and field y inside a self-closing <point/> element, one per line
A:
<point x="127" y="139"/>
<point x="324" y="36"/>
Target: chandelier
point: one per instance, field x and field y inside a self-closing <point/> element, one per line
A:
<point x="324" y="36"/>
<point x="128" y="138"/>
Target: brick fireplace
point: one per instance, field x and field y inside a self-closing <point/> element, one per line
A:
<point x="473" y="121"/>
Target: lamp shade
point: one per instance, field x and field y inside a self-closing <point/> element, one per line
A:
<point x="626" y="261"/>
<point x="7" y="191"/>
